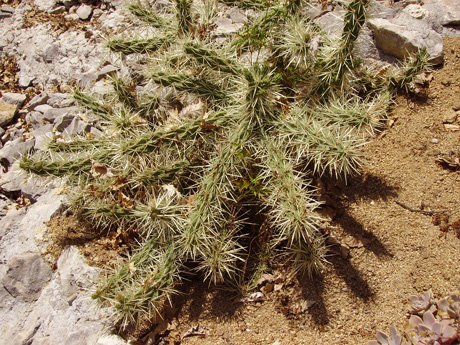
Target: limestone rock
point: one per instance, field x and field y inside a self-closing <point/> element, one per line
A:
<point x="448" y="11"/>
<point x="225" y="26"/>
<point x="26" y="276"/>
<point x="45" y="5"/>
<point x="53" y="114"/>
<point x="400" y="40"/>
<point x="7" y="112"/>
<point x="37" y="100"/>
<point x="14" y="98"/>
<point x="14" y="149"/>
<point x="84" y="12"/>
<point x="43" y="108"/>
<point x="16" y="180"/>
<point x="43" y="136"/>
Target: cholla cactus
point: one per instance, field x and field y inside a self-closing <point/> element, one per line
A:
<point x="270" y="109"/>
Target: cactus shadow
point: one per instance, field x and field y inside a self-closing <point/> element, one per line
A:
<point x="313" y="288"/>
<point x="364" y="188"/>
<point x="198" y="298"/>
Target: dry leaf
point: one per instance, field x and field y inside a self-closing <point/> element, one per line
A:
<point x="120" y="182"/>
<point x="125" y="201"/>
<point x="100" y="170"/>
<point x="193" y="332"/>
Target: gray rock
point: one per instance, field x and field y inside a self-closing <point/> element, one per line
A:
<point x="51" y="53"/>
<point x="416" y="11"/>
<point x="400" y="40"/>
<point x="63" y="121"/>
<point x="77" y="127"/>
<point x="6" y="12"/>
<point x="315" y="11"/>
<point x="14" y="98"/>
<point x="378" y="10"/>
<point x="106" y="70"/>
<point x="450" y="11"/>
<point x="52" y="114"/>
<point x="26" y="276"/>
<point x="10" y="221"/>
<point x="57" y="10"/>
<point x="72" y="16"/>
<point x="7" y="9"/>
<point x="237" y="15"/>
<point x="43" y="108"/>
<point x="37" y="100"/>
<point x="45" y="5"/>
<point x="84" y="12"/>
<point x="225" y="26"/>
<point x="331" y="22"/>
<point x="20" y="235"/>
<point x="30" y="186"/>
<point x="7" y="112"/>
<point x="42" y="136"/>
<point x="60" y="100"/>
<point x="15" y="149"/>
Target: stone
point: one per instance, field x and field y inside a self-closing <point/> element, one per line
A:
<point x="450" y="116"/>
<point x="225" y="26"/>
<point x="14" y="98"/>
<point x="51" y="52"/>
<point x="72" y="16"/>
<point x="43" y="136"/>
<point x="52" y="114"/>
<point x="15" y="149"/>
<point x="26" y="276"/>
<point x="400" y="40"/>
<point x="416" y="11"/>
<point x="7" y="112"/>
<point x="77" y="127"/>
<point x="7" y="9"/>
<point x="43" y="108"/>
<point x="331" y="22"/>
<point x="60" y="100"/>
<point x="63" y="121"/>
<point x="57" y="10"/>
<point x="237" y="15"/>
<point x="16" y="180"/>
<point x="45" y="5"/>
<point x="37" y="100"/>
<point x="106" y="70"/>
<point x="84" y="12"/>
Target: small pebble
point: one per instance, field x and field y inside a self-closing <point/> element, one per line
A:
<point x="434" y="141"/>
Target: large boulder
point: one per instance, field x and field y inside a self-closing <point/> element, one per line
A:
<point x="26" y="276"/>
<point x="405" y="35"/>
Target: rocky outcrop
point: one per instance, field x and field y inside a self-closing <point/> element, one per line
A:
<point x="404" y="35"/>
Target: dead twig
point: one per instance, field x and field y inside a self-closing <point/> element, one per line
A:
<point x="428" y="213"/>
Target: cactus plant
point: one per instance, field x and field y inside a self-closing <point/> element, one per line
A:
<point x="271" y="109"/>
